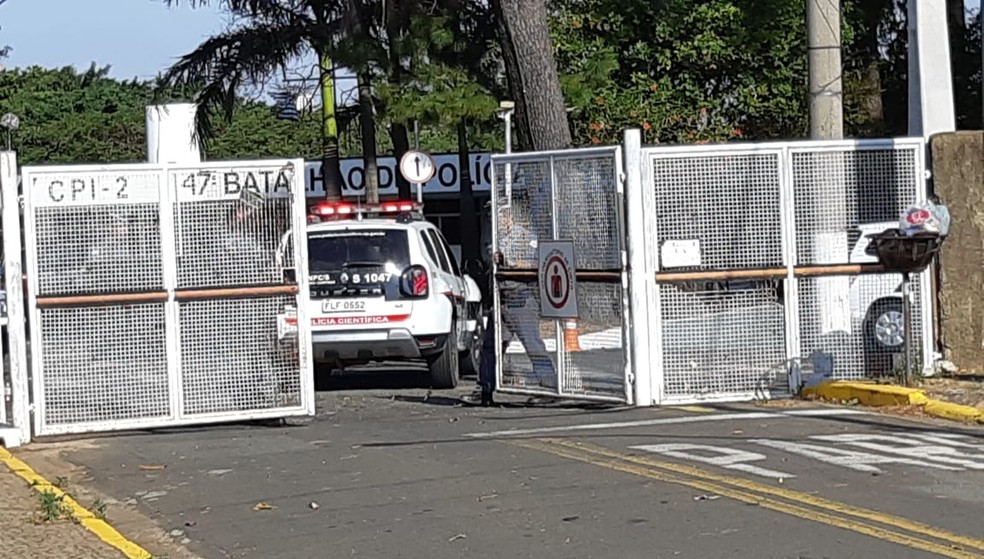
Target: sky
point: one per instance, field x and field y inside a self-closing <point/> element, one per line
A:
<point x="137" y="38"/>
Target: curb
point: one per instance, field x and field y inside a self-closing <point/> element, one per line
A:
<point x="881" y="395"/>
<point x="99" y="527"/>
<point x="958" y="412"/>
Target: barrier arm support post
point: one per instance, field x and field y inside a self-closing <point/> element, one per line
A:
<point x="635" y="232"/>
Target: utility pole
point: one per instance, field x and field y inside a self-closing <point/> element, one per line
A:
<point x="930" y="77"/>
<point x="829" y="242"/>
<point x="823" y="27"/>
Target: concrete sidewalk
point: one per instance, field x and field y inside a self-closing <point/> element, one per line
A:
<point x="23" y="535"/>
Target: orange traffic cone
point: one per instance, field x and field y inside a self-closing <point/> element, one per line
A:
<point x="571" y="341"/>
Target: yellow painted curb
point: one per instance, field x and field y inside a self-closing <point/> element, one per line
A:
<point x="694" y="409"/>
<point x="958" y="412"/>
<point x="97" y="526"/>
<point x="868" y="394"/>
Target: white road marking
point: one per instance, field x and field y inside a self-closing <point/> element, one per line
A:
<point x="852" y="459"/>
<point x="640" y="423"/>
<point x="730" y="458"/>
<point x="825" y="412"/>
<point x="660" y="421"/>
<point x="940" y="451"/>
<point x="946" y="450"/>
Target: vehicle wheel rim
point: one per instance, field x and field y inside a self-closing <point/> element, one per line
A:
<point x="890" y="329"/>
<point x="454" y="362"/>
<point x="476" y="351"/>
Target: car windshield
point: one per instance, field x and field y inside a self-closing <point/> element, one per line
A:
<point x="331" y="251"/>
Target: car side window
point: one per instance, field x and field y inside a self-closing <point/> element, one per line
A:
<point x="431" y="251"/>
<point x="447" y="249"/>
<point x="445" y="263"/>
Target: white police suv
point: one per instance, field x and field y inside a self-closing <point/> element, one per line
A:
<point x="385" y="286"/>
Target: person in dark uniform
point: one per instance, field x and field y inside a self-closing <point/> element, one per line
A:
<point x="517" y="249"/>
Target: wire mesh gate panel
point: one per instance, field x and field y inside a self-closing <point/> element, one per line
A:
<point x="155" y="295"/>
<point x="850" y="325"/>
<point x="719" y="211"/>
<point x="575" y="196"/>
<point x="759" y="253"/>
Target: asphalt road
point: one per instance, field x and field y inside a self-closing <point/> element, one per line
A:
<point x="388" y="469"/>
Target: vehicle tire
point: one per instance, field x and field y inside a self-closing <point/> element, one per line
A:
<point x="884" y="336"/>
<point x="471" y="358"/>
<point x="444" y="366"/>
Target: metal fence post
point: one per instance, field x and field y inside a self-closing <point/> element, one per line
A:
<point x="639" y="273"/>
<point x="495" y="317"/>
<point x="171" y="242"/>
<point x="17" y="340"/>
<point x="557" y="324"/>
<point x="791" y="298"/>
<point x="298" y="209"/>
<point x="927" y="290"/>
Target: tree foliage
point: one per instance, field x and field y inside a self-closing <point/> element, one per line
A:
<point x="69" y="116"/>
<point x="716" y="70"/>
<point x="683" y="71"/>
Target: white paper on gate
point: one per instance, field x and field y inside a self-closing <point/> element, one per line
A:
<point x="683" y="253"/>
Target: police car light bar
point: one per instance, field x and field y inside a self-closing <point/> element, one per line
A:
<point x="342" y="210"/>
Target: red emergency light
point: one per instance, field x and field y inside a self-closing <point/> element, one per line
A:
<point x="340" y="210"/>
<point x="329" y="209"/>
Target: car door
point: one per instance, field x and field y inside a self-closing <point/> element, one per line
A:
<point x="451" y="274"/>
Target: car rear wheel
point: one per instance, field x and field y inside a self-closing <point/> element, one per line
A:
<point x="886" y="327"/>
<point x="884" y="336"/>
<point x="471" y="358"/>
<point x="444" y="366"/>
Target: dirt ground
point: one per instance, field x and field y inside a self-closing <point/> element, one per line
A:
<point x="32" y="527"/>
<point x="22" y="536"/>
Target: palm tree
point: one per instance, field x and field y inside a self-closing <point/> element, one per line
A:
<point x="376" y="38"/>
<point x="268" y="36"/>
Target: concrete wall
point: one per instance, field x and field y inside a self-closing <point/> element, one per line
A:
<point x="958" y="178"/>
<point x="171" y="135"/>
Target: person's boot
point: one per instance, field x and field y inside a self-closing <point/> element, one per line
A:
<point x="487" y="399"/>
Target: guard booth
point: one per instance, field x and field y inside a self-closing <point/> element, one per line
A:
<point x="561" y="306"/>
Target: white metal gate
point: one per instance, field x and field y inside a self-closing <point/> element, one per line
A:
<point x="155" y="294"/>
<point x="576" y="196"/>
<point x="754" y="267"/>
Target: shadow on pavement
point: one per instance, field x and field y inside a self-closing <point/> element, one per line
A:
<point x="387" y="376"/>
